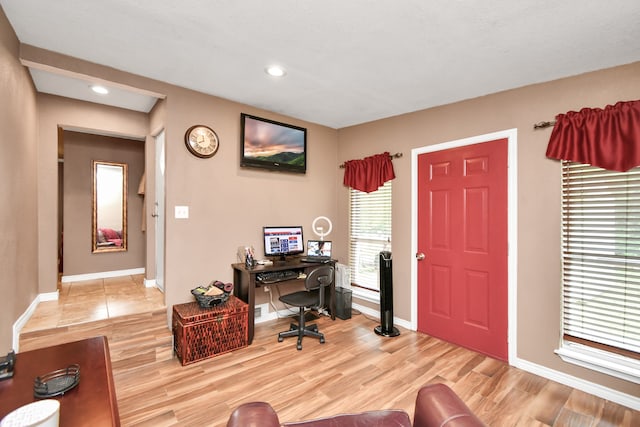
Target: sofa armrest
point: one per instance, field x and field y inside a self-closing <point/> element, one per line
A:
<point x="438" y="406"/>
<point x="254" y="414"/>
<point x="381" y="418"/>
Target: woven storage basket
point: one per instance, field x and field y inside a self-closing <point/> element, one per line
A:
<point x="200" y="333"/>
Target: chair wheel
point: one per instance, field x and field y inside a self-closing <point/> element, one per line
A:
<point x="321" y="340"/>
<point x="280" y="339"/>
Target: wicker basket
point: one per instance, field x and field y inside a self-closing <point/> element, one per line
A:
<point x="200" y="333"/>
<point x="208" y="301"/>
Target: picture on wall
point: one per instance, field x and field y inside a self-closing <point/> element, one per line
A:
<point x="272" y="145"/>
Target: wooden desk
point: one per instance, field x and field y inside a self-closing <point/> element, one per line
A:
<point x="245" y="283"/>
<point x="92" y="402"/>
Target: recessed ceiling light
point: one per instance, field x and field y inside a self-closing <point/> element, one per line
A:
<point x="99" y="89"/>
<point x="275" y="71"/>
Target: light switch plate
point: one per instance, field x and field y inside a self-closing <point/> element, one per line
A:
<point x="182" y="212"/>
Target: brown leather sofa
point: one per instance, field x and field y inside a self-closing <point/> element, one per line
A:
<point x="436" y="406"/>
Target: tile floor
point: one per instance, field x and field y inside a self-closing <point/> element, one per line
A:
<point x="91" y="300"/>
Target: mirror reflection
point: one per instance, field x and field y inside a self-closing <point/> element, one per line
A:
<point x="109" y="207"/>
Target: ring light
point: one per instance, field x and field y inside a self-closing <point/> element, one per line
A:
<point x="320" y="230"/>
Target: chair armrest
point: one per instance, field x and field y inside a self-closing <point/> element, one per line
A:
<point x="254" y="414"/>
<point x="438" y="406"/>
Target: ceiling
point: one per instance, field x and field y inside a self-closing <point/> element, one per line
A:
<point x="347" y="61"/>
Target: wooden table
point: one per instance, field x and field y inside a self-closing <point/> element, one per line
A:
<point x="92" y="402"/>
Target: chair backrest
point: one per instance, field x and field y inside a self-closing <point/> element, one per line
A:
<point x="320" y="277"/>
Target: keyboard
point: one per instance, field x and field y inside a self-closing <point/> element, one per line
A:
<point x="316" y="259"/>
<point x="276" y="276"/>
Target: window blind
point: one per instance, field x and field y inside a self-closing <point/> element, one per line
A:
<point x="370" y="233"/>
<point x="601" y="257"/>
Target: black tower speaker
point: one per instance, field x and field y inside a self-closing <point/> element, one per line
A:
<point x="386" y="297"/>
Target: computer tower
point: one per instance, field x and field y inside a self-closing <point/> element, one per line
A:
<point x="343" y="303"/>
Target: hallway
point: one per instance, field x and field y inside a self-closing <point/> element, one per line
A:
<point x="93" y="300"/>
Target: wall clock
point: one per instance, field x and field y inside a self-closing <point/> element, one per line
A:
<point x="201" y="141"/>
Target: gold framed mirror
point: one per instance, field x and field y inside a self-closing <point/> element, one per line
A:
<point x="109" y="224"/>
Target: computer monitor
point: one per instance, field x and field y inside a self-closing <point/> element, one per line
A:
<point x="282" y="241"/>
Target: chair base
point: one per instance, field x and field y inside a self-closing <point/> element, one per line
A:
<point x="310" y="316"/>
<point x="301" y="330"/>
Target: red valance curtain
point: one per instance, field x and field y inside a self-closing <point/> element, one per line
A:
<point x="608" y="138"/>
<point x="369" y="173"/>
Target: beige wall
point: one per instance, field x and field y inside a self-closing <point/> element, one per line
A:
<point x="18" y="173"/>
<point x="538" y="235"/>
<point x="228" y="205"/>
<point x="80" y="149"/>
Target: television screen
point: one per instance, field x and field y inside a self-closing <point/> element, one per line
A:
<point x="272" y="145"/>
<point x="281" y="241"/>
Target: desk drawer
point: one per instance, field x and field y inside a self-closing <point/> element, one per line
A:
<point x="201" y="333"/>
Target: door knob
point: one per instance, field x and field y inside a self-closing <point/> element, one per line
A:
<point x="420" y="256"/>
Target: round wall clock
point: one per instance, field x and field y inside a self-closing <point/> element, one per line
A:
<point x="201" y="141"/>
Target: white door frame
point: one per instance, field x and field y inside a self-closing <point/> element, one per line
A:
<point x="159" y="207"/>
<point x="512" y="227"/>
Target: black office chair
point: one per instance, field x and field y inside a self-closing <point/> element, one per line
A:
<point x="313" y="296"/>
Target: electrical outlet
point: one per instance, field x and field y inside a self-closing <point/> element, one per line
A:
<point x="181" y="212"/>
<point x="266" y="288"/>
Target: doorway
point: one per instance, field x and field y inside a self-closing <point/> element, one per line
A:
<point x="80" y="259"/>
<point x="464" y="211"/>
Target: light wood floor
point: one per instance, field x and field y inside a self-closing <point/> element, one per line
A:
<point x="92" y="300"/>
<point x="354" y="370"/>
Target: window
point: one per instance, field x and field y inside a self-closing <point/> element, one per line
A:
<point x="601" y="268"/>
<point x="370" y="233"/>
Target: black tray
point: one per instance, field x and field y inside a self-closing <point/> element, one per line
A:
<point x="57" y="382"/>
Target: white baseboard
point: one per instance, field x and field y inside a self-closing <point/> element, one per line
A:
<point x="48" y="296"/>
<point x="588" y="387"/>
<point x="376" y="314"/>
<point x="366" y="310"/>
<point x="102" y="275"/>
<point x="24" y="318"/>
<point x="150" y="283"/>
<point x="265" y="314"/>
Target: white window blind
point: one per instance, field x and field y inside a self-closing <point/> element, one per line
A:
<point x="370" y="233"/>
<point x="601" y="257"/>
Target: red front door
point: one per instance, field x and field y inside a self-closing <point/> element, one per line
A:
<point x="462" y="231"/>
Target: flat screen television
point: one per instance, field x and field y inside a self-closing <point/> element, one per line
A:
<point x="272" y="145"/>
<point x="282" y="241"/>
